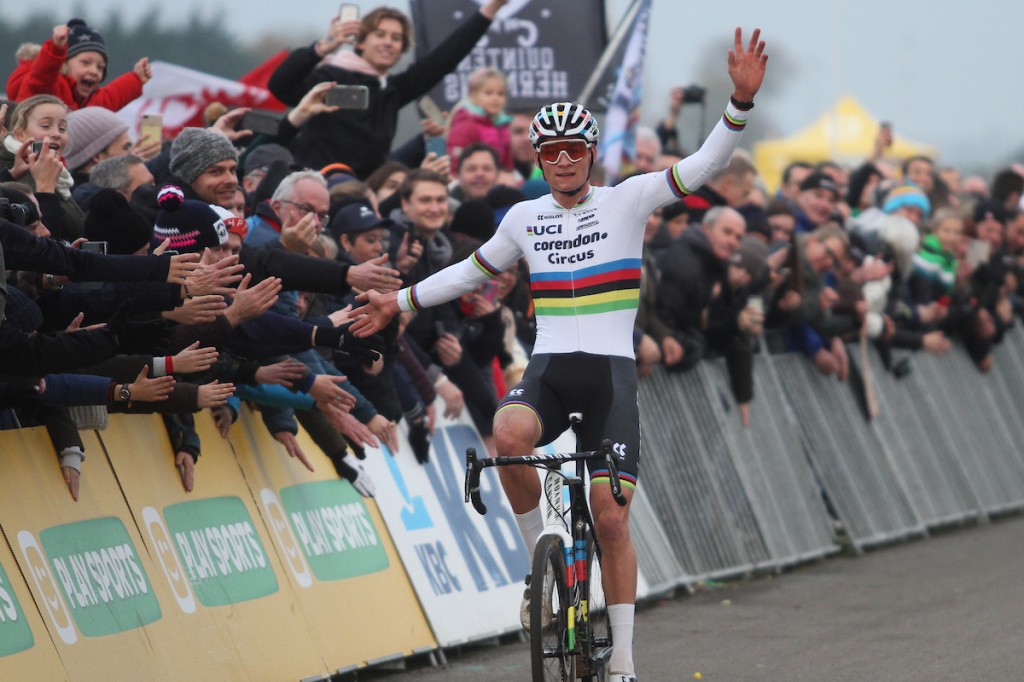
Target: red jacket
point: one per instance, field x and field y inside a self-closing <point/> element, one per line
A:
<point x="42" y="76"/>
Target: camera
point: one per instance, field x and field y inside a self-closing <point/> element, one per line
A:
<point x="15" y="212"/>
<point x="694" y="94"/>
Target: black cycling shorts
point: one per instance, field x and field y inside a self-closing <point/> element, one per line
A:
<point x="603" y="388"/>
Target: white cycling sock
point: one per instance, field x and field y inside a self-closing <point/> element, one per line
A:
<point x="530" y="526"/>
<point x="621" y="618"/>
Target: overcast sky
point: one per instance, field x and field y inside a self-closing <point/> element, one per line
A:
<point x="943" y="72"/>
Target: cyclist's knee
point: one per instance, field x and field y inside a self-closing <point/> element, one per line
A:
<point x="516" y="431"/>
<point x="612" y="524"/>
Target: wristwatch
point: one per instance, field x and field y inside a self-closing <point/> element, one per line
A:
<point x="124" y="393"/>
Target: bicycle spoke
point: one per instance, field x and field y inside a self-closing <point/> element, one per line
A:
<point x="552" y="661"/>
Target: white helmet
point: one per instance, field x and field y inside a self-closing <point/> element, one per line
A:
<point x="563" y="119"/>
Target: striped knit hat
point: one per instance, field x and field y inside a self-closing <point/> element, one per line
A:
<point x="190" y="225"/>
<point x="907" y="195"/>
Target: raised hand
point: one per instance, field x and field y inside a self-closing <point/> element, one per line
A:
<point x="282" y="373"/>
<point x="143" y="70"/>
<point x="197" y="310"/>
<point x="182" y="267"/>
<point x="249" y="303"/>
<point x="312" y="104"/>
<point x="374" y="274"/>
<point x="747" y="66"/>
<point x="149" y="390"/>
<point x="375" y="315"/>
<point x="213" y="276"/>
<point x="214" y="394"/>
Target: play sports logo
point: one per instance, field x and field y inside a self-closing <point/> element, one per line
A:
<point x="46" y="586"/>
<point x="163" y="547"/>
<point x="290" y="549"/>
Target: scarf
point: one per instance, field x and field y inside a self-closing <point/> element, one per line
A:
<point x="64" y="182"/>
<point x="350" y="61"/>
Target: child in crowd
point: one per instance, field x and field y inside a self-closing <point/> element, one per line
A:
<point x="482" y="118"/>
<point x="71" y="65"/>
<point x="44" y="118"/>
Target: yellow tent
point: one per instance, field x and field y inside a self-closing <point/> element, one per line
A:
<point x="846" y="135"/>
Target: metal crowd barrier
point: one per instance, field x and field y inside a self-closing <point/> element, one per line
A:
<point x="719" y="500"/>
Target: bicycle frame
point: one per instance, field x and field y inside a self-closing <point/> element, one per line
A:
<point x="572" y="535"/>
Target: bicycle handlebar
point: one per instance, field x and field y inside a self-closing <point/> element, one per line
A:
<point x="473" y="468"/>
<point x="474" y="465"/>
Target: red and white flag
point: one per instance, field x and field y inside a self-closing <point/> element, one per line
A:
<point x="181" y="95"/>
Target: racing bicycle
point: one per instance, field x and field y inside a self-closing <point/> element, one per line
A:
<point x="569" y="639"/>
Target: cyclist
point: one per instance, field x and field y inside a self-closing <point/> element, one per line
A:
<point x="583" y="247"/>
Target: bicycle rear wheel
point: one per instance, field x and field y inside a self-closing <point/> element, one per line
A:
<point x="549" y="615"/>
<point x="600" y="645"/>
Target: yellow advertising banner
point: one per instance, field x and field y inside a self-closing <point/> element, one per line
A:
<point x="213" y="555"/>
<point x="86" y="566"/>
<point x="26" y="652"/>
<point x="341" y="561"/>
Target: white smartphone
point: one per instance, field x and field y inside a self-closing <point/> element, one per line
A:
<point x="757" y="303"/>
<point x="428" y="107"/>
<point x="348" y="12"/>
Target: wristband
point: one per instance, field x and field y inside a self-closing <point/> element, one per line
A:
<point x="742" y="106"/>
<point x="169" y="363"/>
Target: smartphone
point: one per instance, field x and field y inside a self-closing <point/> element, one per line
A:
<point x="757" y="303"/>
<point x="436" y="145"/>
<point x="428" y="107"/>
<point x="261" y="122"/>
<point x="152" y="127"/>
<point x="348" y="97"/>
<point x="439" y="328"/>
<point x="36" y="147"/>
<point x="94" y="247"/>
<point x="348" y="12"/>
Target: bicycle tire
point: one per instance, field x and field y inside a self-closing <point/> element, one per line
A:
<point x="549" y="653"/>
<point x="600" y="626"/>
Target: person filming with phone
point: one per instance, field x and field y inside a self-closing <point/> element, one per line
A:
<point x="361" y="136"/>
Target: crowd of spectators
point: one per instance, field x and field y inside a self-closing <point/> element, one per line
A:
<point x="175" y="276"/>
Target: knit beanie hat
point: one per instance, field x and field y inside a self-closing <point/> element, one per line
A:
<point x="190" y="225"/>
<point x="90" y="131"/>
<point x="113" y="220"/>
<point x="907" y="195"/>
<point x="82" y="38"/>
<point x="196" y="149"/>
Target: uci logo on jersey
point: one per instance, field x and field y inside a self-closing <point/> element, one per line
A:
<point x="539" y="230"/>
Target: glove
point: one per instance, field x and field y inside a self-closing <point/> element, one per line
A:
<point x="348" y="346"/>
<point x="419" y="439"/>
<point x="352" y="471"/>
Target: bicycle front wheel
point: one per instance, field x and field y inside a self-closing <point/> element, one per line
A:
<point x="549" y="615"/>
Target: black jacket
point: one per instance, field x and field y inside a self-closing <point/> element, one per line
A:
<point x="362" y="138"/>
<point x="689" y="273"/>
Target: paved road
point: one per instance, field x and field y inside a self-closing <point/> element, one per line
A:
<point x="947" y="608"/>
